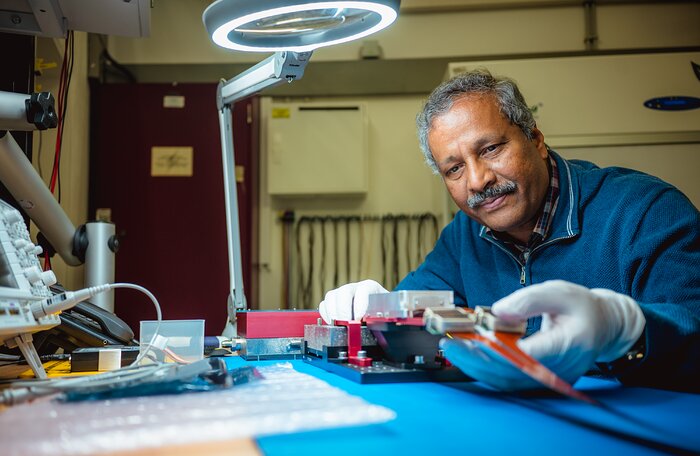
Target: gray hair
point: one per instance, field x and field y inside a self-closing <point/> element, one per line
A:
<point x="480" y="81"/>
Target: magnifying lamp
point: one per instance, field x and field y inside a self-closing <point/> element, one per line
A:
<point x="301" y="26"/>
<point x="293" y="30"/>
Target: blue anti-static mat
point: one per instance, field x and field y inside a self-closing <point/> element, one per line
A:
<point x="466" y="418"/>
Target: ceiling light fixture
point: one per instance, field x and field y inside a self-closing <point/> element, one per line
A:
<point x="269" y="26"/>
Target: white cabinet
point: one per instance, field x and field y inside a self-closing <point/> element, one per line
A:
<point x="315" y="148"/>
<point x="599" y="100"/>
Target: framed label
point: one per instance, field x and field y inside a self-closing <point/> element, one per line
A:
<point x="171" y="161"/>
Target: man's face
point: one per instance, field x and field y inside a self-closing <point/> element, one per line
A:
<point x="493" y="172"/>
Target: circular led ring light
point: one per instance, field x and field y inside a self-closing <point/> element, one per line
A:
<point x="222" y="29"/>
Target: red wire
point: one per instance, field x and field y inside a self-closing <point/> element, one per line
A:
<point x="62" y="85"/>
<point x="62" y="89"/>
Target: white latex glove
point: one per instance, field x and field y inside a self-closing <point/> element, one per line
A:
<point x="349" y="302"/>
<point x="579" y="327"/>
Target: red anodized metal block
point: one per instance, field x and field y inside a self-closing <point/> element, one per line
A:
<point x="354" y="342"/>
<point x="267" y="324"/>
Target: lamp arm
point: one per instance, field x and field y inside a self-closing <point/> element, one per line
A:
<point x="93" y="243"/>
<point x="236" y="298"/>
<point x="26" y="113"/>
<point x="279" y="68"/>
<point x="30" y="191"/>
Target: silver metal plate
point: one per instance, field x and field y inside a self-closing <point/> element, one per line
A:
<point x="318" y="336"/>
<point x="273" y="348"/>
<point x="404" y="303"/>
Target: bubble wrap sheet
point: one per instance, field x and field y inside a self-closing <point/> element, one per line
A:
<point x="284" y="401"/>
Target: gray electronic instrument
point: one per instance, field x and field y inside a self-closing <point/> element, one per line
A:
<point x="22" y="282"/>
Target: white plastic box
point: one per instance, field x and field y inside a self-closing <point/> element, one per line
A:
<point x="179" y="341"/>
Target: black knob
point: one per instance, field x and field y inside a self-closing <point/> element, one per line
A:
<point x="113" y="243"/>
<point x="40" y="110"/>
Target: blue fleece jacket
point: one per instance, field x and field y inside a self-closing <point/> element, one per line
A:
<point x="613" y="228"/>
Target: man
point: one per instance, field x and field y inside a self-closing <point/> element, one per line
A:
<point x="604" y="264"/>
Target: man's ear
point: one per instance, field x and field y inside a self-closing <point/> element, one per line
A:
<point x="538" y="142"/>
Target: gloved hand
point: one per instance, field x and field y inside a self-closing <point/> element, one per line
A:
<point x="579" y="327"/>
<point x="349" y="302"/>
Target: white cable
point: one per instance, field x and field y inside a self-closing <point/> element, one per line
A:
<point x="64" y="301"/>
<point x="68" y="299"/>
<point x="159" y="316"/>
<point x="32" y="389"/>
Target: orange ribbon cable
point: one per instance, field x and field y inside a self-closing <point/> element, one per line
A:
<point x="505" y="344"/>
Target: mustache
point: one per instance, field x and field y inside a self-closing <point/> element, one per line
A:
<point x="492" y="192"/>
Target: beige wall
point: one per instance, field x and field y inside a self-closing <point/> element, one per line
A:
<point x="74" y="156"/>
<point x="677" y="164"/>
<point x="178" y="35"/>
<point x="399" y="181"/>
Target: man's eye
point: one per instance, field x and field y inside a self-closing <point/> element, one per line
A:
<point x="452" y="171"/>
<point x="492" y="148"/>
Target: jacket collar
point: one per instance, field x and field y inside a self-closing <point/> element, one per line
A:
<point x="566" y="221"/>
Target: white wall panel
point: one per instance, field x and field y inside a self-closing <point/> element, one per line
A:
<point x="316" y="148"/>
<point x="599" y="100"/>
<point x="677" y="164"/>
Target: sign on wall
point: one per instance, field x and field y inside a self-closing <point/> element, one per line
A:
<point x="171" y="161"/>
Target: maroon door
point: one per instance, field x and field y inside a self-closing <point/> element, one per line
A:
<point x="172" y="229"/>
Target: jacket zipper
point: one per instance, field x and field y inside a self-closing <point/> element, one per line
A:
<point x="522" y="265"/>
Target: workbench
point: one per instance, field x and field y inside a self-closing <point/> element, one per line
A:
<point x="470" y="418"/>
<point x="430" y="418"/>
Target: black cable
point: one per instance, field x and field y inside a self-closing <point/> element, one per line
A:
<point x="419" y="238"/>
<point x="42" y="358"/>
<point x="71" y="46"/>
<point x="354" y="219"/>
<point x="61" y="100"/>
<point x="347" y="249"/>
<point x="287" y="219"/>
<point x="383" y="242"/>
<point x="409" y="222"/>
<point x="395" y="262"/>
<point x="436" y="230"/>
<point x="302" y="292"/>
<point x="389" y="243"/>
<point x="335" y="252"/>
<point x="109" y="64"/>
<point x="310" y="276"/>
<point x="360" y="247"/>
<point x="426" y="219"/>
<point x="322" y="269"/>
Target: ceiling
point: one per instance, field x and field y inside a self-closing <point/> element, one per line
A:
<point x="52" y="18"/>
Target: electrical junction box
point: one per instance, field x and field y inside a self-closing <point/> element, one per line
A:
<point x="315" y="148"/>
